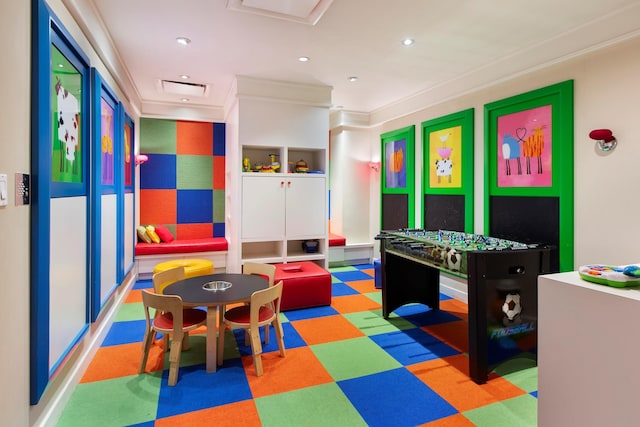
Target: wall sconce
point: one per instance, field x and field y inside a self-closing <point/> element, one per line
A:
<point x="374" y="166"/>
<point x="141" y="158"/>
<point x="604" y="139"/>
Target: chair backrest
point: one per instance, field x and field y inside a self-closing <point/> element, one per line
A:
<point x="164" y="278"/>
<point x="264" y="297"/>
<point x="267" y="270"/>
<point x="164" y="304"/>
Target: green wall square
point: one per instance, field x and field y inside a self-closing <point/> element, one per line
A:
<point x="157" y="136"/>
<point x="218" y="206"/>
<point x="194" y="172"/>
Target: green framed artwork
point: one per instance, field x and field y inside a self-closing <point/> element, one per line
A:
<point x="529" y="164"/>
<point x="398" y="178"/>
<point x="447" y="180"/>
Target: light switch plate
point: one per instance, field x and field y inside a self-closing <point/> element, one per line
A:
<point x="4" y="191"/>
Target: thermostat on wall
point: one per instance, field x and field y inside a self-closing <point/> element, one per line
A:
<point x="22" y="189"/>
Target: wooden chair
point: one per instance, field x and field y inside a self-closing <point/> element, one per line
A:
<point x="251" y="317"/>
<point x="161" y="280"/>
<point x="268" y="271"/>
<point x="169" y="319"/>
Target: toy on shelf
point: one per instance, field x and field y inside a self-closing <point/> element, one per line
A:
<point x="616" y="276"/>
<point x="246" y="165"/>
<point x="301" y="166"/>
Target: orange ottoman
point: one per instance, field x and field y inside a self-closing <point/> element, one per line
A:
<point x="305" y="284"/>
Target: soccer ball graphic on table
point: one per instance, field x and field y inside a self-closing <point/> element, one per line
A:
<point x="453" y="259"/>
<point x="511" y="307"/>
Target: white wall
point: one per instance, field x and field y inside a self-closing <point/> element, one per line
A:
<point x="14" y="220"/>
<point x="350" y="178"/>
<point x="606" y="95"/>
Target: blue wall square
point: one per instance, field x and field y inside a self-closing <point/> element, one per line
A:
<point x="219" y="138"/>
<point x="195" y="206"/>
<point x="218" y="229"/>
<point x="159" y="172"/>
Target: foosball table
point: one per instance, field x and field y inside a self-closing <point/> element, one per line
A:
<point x="501" y="275"/>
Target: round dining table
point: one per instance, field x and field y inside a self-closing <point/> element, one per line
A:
<point x="213" y="291"/>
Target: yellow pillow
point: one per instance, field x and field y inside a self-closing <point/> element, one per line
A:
<point x="151" y="232"/>
<point x="142" y="234"/>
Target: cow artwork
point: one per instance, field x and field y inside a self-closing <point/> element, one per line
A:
<point x="444" y="165"/>
<point x="68" y="128"/>
<point x="524" y="148"/>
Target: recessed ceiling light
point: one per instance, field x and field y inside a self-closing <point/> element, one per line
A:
<point x="184" y="76"/>
<point x="184" y="99"/>
<point x="408" y="42"/>
<point x="303" y="59"/>
<point x="352" y="78"/>
<point x="183" y="41"/>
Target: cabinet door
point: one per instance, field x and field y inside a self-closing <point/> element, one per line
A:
<point x="263" y="213"/>
<point x="306" y="207"/>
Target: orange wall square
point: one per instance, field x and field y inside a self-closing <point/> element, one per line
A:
<point x="157" y="207"/>
<point x="218" y="172"/>
<point x="194" y="231"/>
<point x="194" y="138"/>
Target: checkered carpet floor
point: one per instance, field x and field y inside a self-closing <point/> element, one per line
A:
<point x="345" y="366"/>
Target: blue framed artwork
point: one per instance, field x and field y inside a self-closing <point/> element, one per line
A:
<point x="107" y="192"/>
<point x="60" y="118"/>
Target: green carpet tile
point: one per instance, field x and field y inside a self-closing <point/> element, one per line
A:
<point x="345" y="365"/>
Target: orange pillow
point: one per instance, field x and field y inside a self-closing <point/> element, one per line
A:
<point x="151" y="232"/>
<point x="164" y="233"/>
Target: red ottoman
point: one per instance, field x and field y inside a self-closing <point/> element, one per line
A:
<point x="305" y="284"/>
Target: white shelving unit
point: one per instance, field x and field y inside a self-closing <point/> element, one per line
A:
<point x="271" y="214"/>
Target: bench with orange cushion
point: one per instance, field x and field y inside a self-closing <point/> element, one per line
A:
<point x="305" y="284"/>
<point x="148" y="255"/>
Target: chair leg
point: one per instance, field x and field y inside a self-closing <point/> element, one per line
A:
<point x="266" y="334"/>
<point x="256" y="350"/>
<point x="185" y="342"/>
<point x="220" y="355"/>
<point x="149" y="335"/>
<point x="174" y="360"/>
<point x="266" y="328"/>
<point x="280" y="336"/>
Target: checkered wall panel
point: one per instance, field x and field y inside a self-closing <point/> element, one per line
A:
<point x="182" y="184"/>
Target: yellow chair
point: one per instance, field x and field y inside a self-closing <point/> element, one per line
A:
<point x="169" y="319"/>
<point x="251" y="317"/>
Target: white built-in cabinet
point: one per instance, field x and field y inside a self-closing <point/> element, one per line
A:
<point x="270" y="215"/>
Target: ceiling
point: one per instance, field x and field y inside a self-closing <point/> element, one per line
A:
<point x="460" y="45"/>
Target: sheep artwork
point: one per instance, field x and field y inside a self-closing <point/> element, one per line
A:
<point x="68" y="126"/>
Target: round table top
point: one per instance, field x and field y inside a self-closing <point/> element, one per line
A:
<point x="242" y="286"/>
